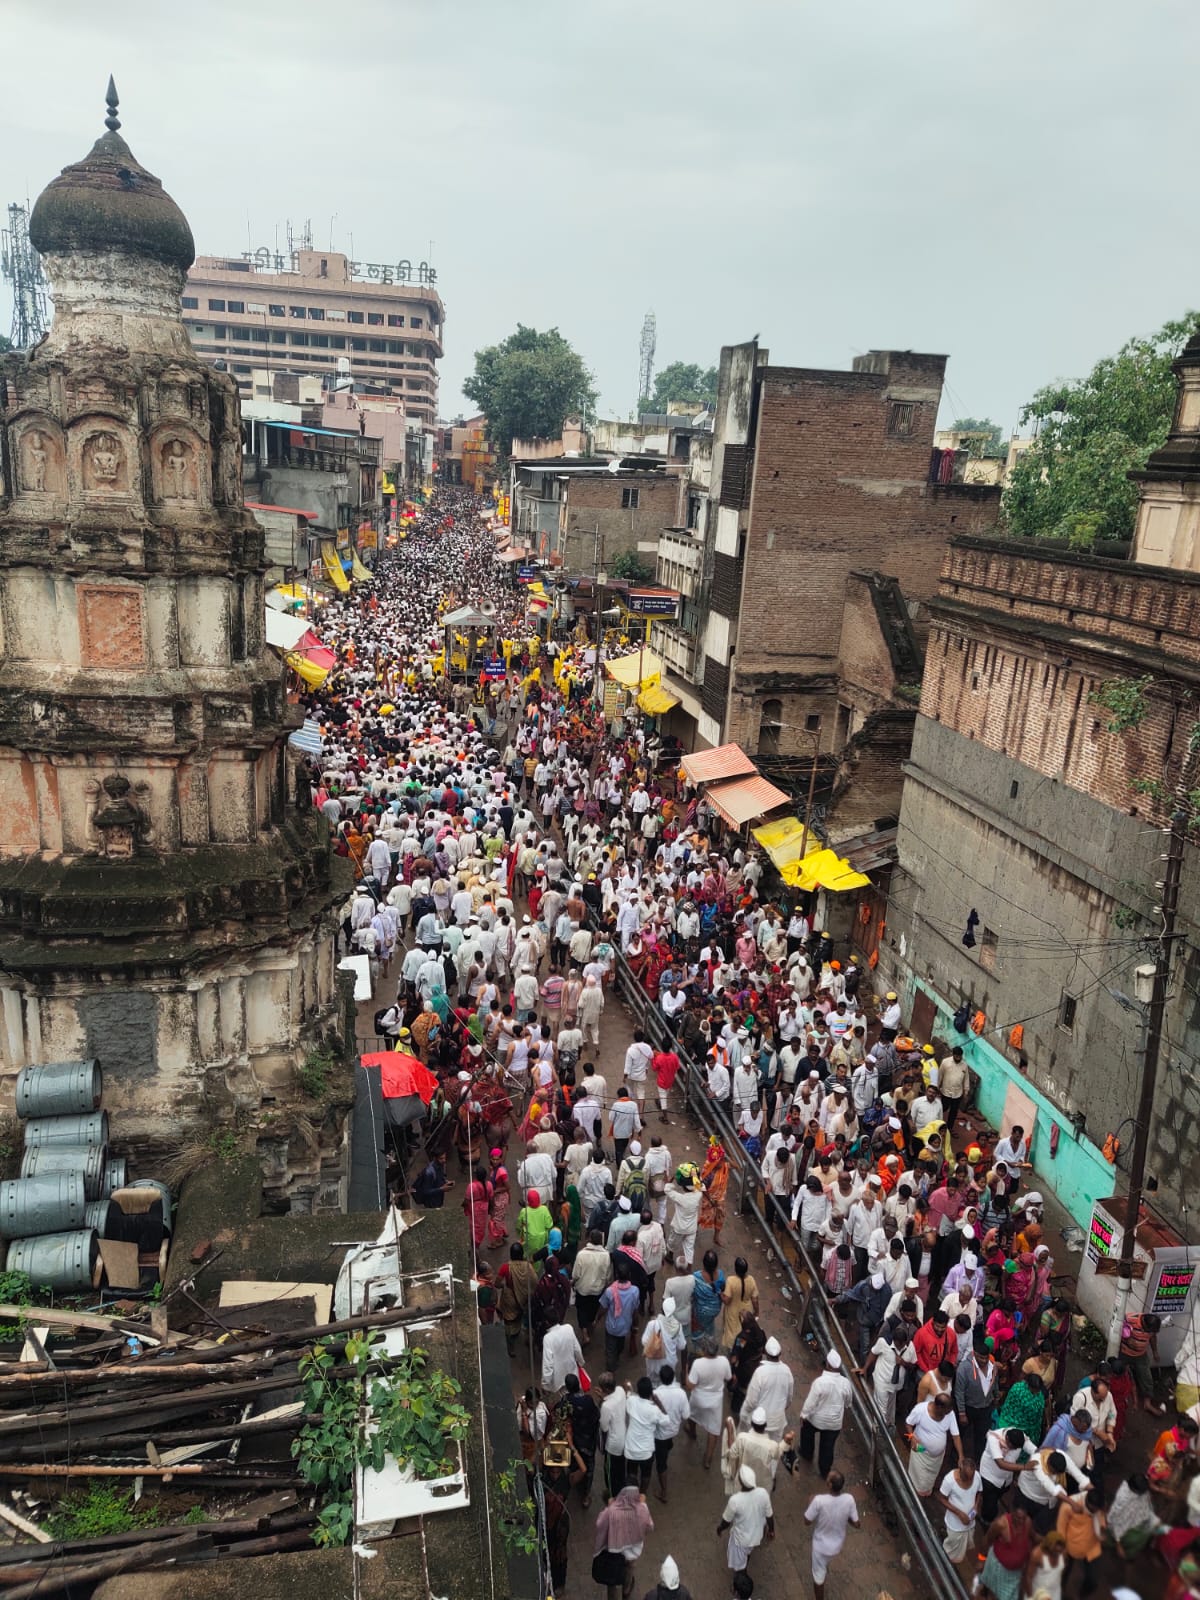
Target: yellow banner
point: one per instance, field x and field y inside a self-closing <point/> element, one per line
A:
<point x="333" y="567"/>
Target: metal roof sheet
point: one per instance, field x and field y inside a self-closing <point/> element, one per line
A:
<point x="725" y="761"/>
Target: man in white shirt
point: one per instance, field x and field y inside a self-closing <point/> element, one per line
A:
<point x="771" y="1387"/>
<point x="560" y="1354"/>
<point x="749" y="1518"/>
<point x="1006" y="1456"/>
<point x="637" y="1061"/>
<point x="831" y="1516"/>
<point x="823" y="1413"/>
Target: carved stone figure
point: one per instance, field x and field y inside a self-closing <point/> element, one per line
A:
<point x="177" y="471"/>
<point x="34" y="458"/>
<point x="104" y="463"/>
<point x="117" y="825"/>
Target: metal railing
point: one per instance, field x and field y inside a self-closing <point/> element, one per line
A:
<point x="885" y="1469"/>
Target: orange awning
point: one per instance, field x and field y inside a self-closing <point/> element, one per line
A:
<point x="726" y="761"/>
<point x="740" y="800"/>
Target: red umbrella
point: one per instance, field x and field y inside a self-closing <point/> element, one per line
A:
<point x="402" y="1075"/>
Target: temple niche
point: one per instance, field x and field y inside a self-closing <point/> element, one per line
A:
<point x="39" y="453"/>
<point x="165" y="906"/>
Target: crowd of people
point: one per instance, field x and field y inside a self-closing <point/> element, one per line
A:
<point x="510" y="850"/>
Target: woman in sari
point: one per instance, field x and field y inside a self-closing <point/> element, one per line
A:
<point x="356" y="848"/>
<point x="745" y="1358"/>
<point x="476" y="1203"/>
<point x="1025" y="1407"/>
<point x="714" y="1181"/>
<point x="572" y="1224"/>
<point x="708" y="1288"/>
<point x="498" y="1209"/>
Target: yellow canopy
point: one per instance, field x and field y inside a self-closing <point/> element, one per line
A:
<point x="313" y="675"/>
<point x="820" y="868"/>
<point x="638" y="670"/>
<point x="358" y="571"/>
<point x="295" y="591"/>
<point x="333" y="567"/>
<point x="655" y="701"/>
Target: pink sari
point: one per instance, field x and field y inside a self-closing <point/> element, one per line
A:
<point x="475" y="1204"/>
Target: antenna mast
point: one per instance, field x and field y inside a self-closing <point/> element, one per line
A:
<point x="646" y="359"/>
<point x="21" y="266"/>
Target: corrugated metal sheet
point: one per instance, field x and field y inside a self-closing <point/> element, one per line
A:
<point x="708" y="766"/>
<point x="742" y="799"/>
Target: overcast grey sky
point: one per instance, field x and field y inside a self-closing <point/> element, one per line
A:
<point x="1012" y="183"/>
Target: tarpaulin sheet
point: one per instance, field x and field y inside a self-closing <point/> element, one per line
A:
<point x="820" y="869"/>
<point x="284" y="632"/>
<point x="333" y="567"/>
<point x="640" y="670"/>
<point x="358" y="571"/>
<point x="741" y="799"/>
<point x="726" y="761"/>
<point x="656" y="701"/>
<point x="312" y="674"/>
<point x="308" y="738"/>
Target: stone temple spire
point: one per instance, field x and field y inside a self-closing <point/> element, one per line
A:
<point x="165" y="907"/>
<point x="112" y="122"/>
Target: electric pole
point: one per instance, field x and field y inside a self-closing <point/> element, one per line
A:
<point x="1181" y="816"/>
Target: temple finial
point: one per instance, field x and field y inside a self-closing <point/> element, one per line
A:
<point x="112" y="122"/>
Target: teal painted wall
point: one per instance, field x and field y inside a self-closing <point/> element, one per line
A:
<point x="1079" y="1174"/>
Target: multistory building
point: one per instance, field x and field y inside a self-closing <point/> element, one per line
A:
<point x="304" y="312"/>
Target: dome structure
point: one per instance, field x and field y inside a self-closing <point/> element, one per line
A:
<point x="110" y="202"/>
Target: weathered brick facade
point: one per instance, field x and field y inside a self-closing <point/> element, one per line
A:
<point x="601" y="498"/>
<point x="1020" y="805"/>
<point x="834" y="479"/>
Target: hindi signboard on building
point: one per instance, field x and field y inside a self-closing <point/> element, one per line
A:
<point x="1171" y="1291"/>
<point x="1100" y="1237"/>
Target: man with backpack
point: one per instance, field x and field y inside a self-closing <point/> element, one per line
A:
<point x="631" y="1178"/>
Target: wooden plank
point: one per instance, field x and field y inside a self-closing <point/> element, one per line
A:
<point x="23" y="1524"/>
<point x="53" y="1579"/>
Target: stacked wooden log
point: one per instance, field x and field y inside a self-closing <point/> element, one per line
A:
<point x="182" y="1412"/>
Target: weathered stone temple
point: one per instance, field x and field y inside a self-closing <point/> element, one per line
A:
<point x="165" y="906"/>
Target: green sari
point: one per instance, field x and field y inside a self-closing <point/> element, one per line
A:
<point x="1025" y="1410"/>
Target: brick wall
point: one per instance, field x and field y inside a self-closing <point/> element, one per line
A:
<point x="589" y="500"/>
<point x="1021" y="639"/>
<point x="836" y="488"/>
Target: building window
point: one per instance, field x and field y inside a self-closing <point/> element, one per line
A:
<point x="278" y="338"/>
<point x="241" y="334"/>
<point x="358" y="344"/>
<point x="1066" y="1012"/>
<point x="812" y="722"/>
<point x="354" y="316"/>
<point x="299" y="338"/>
<point x="395" y="348"/>
<point x="259" y="335"/>
<point x="902" y="416"/>
<point x="987" y="949"/>
<point x="375" y="319"/>
<point x="219" y="331"/>
<point x="243" y="371"/>
<point x="771" y="727"/>
<point x="415" y="322"/>
<point x="336" y="342"/>
<point x="296" y="311"/>
<point x="315" y="314"/>
<point x="216" y="305"/>
<point x="238" y="306"/>
<point x="630" y="499"/>
<point x="321" y="339"/>
<point x="395" y="322"/>
<point x="190" y="303"/>
<point x="379" y="346"/>
<point x="276" y="311"/>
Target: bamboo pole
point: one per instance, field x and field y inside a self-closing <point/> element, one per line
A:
<point x="52" y="1580"/>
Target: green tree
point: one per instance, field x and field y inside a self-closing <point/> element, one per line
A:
<point x="5" y="343"/>
<point x="528" y="385"/>
<point x="629" y="567"/>
<point x="1073" y="483"/>
<point x="682" y="382"/>
<point x="990" y="440"/>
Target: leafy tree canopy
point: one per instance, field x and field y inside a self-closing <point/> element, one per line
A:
<point x="1073" y="482"/>
<point x="991" y="436"/>
<point x="684" y="383"/>
<point x="629" y="566"/>
<point x="528" y="386"/>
